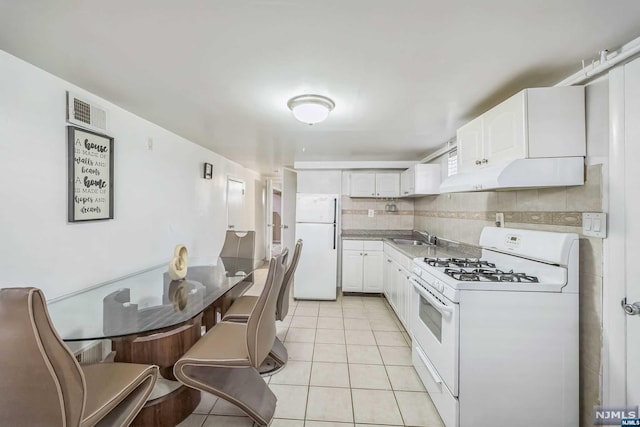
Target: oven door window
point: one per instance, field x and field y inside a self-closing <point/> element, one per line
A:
<point x="431" y="318"/>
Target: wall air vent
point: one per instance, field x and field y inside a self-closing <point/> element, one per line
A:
<point x="85" y="114"/>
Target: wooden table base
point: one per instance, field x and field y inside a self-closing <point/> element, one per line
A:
<point x="168" y="410"/>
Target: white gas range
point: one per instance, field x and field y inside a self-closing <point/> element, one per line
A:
<point x="495" y="339"/>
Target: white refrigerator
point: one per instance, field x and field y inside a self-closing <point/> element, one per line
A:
<point x="317" y="226"/>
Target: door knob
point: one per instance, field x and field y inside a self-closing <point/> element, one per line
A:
<point x="632" y="309"/>
<point x="285" y="226"/>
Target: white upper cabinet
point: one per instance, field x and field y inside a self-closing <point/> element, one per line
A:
<point x="408" y="182"/>
<point x="363" y="184"/>
<point x="534" y="123"/>
<point x="469" y="139"/>
<point x="370" y="184"/>
<point x="420" y="180"/>
<point x="503" y="131"/>
<point x="388" y="184"/>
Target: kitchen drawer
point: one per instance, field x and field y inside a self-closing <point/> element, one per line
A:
<point x="373" y="245"/>
<point x="448" y="406"/>
<point x="352" y="245"/>
<point x="404" y="261"/>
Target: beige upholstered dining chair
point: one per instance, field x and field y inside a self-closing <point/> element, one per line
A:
<point x="239" y="244"/>
<point x="241" y="309"/>
<point x="42" y="384"/>
<point x="225" y="361"/>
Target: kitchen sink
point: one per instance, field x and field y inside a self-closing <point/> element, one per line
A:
<point x="410" y="242"/>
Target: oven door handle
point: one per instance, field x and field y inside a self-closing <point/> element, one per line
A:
<point x="428" y="365"/>
<point x="437" y="304"/>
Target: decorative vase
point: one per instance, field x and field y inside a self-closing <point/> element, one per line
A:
<point x="178" y="264"/>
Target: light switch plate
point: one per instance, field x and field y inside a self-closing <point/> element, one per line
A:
<point x="594" y="224"/>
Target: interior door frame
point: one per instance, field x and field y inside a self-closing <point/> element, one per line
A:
<point x="244" y="194"/>
<point x="268" y="218"/>
<point x="614" y="341"/>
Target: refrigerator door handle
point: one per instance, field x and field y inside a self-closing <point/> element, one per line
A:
<point x="334" y="236"/>
<point x="335" y="210"/>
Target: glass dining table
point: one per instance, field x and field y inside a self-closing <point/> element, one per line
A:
<point x="146" y="301"/>
<point x="152" y="319"/>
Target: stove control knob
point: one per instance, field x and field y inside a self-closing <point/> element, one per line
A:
<point x="438" y="285"/>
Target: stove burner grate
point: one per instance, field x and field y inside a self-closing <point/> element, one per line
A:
<point x="489" y="275"/>
<point x="458" y="262"/>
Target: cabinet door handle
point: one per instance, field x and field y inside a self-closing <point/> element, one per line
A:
<point x="478" y="162"/>
<point x="360" y="253"/>
<point x="365" y="254"/>
<point x="388" y="260"/>
<point x="485" y="161"/>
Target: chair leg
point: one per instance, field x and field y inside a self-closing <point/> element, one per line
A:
<point x="276" y="359"/>
<point x="241" y="386"/>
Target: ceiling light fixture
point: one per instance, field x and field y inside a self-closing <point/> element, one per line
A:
<point x="311" y="109"/>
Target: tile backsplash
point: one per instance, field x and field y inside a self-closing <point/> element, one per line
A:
<point x="355" y="214"/>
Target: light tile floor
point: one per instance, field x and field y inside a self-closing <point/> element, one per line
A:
<point x="349" y="364"/>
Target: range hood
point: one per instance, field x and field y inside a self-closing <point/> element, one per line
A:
<point x="520" y="173"/>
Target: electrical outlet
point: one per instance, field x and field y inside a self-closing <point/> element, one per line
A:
<point x="499" y="219"/>
<point x="371" y="213"/>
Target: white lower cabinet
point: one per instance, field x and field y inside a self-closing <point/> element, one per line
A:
<point x="362" y="266"/>
<point x="396" y="285"/>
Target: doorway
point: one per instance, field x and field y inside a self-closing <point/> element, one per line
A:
<point x="276" y="221"/>
<point x="273" y="217"/>
<point x="235" y="204"/>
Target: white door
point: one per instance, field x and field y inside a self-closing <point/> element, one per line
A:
<point x="268" y="219"/>
<point x="469" y="149"/>
<point x="387" y="184"/>
<point x="289" y="188"/>
<point x="363" y="184"/>
<point x="235" y="204"/>
<point x="503" y="130"/>
<point x="372" y="272"/>
<point x="632" y="226"/>
<point x="352" y="271"/>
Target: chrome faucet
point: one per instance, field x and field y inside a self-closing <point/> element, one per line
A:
<point x="428" y="238"/>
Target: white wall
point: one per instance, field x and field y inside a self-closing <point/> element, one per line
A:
<point x="160" y="197"/>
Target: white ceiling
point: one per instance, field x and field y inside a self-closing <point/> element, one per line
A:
<point x="404" y="74"/>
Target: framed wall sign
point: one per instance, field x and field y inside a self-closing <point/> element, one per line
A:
<point x="208" y="171"/>
<point x="90" y="160"/>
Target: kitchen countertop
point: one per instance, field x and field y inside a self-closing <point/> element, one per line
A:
<point x="443" y="249"/>
<point x="376" y="234"/>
